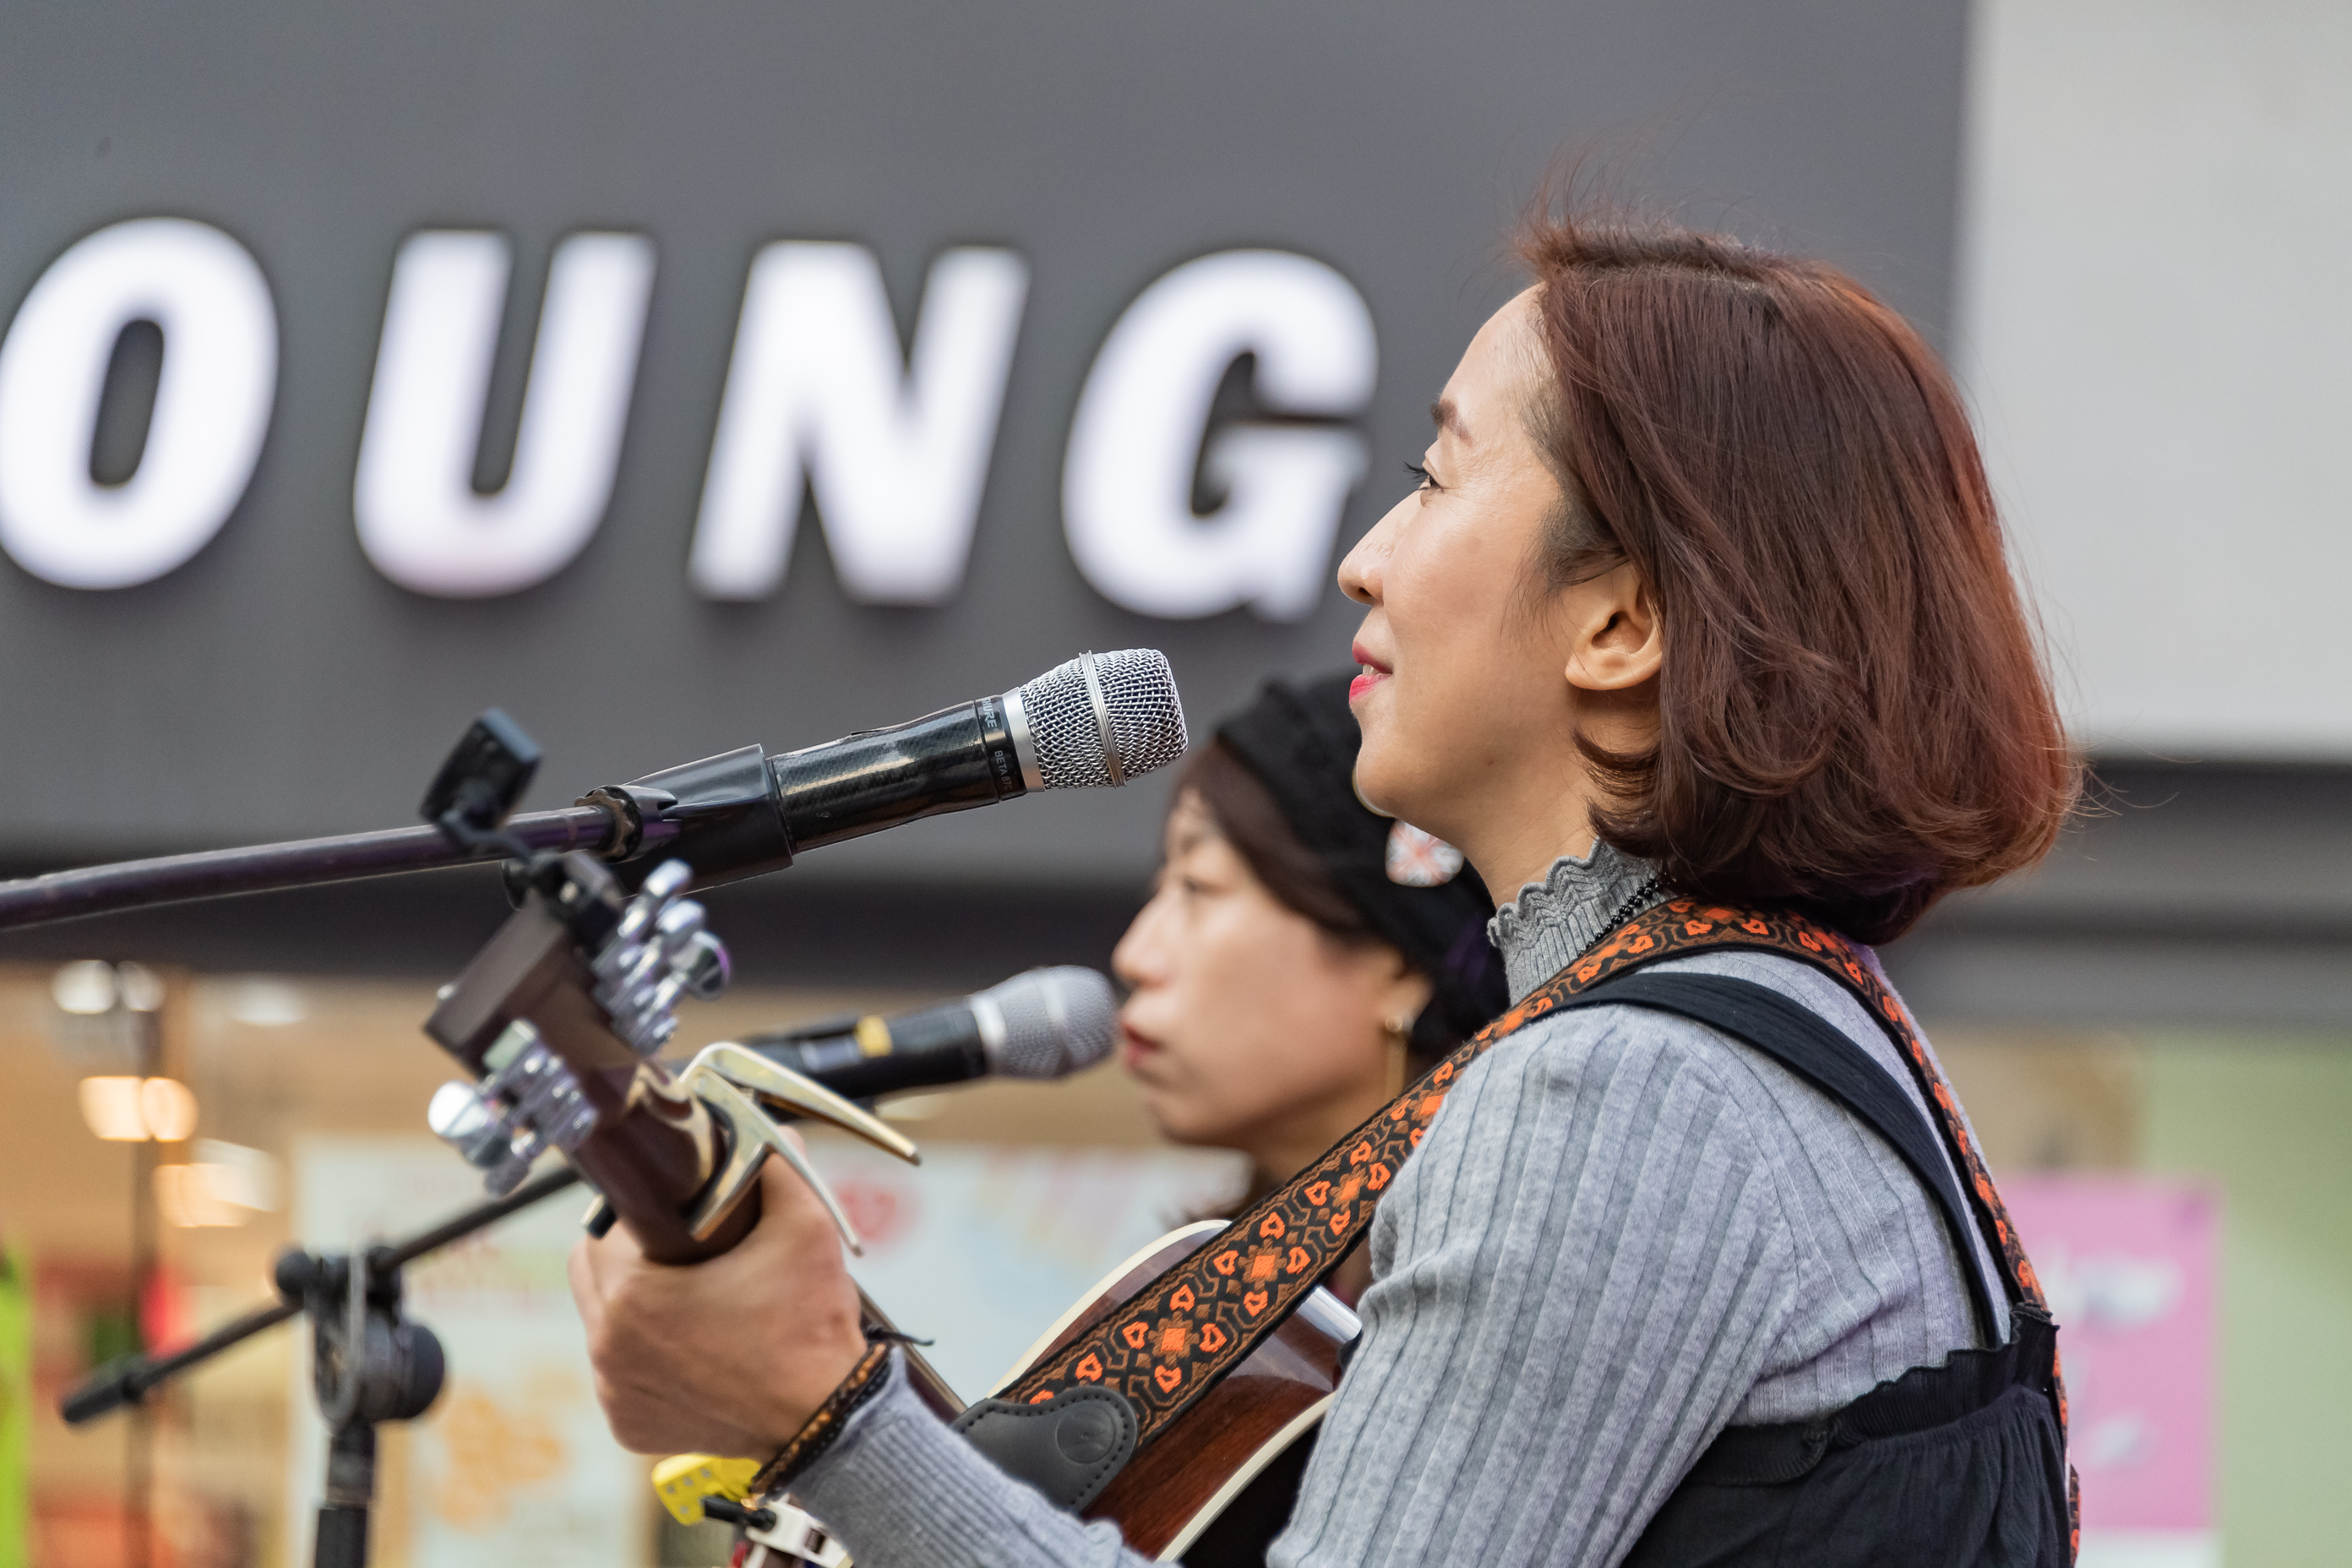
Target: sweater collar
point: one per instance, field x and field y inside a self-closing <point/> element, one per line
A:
<point x="1544" y="930"/>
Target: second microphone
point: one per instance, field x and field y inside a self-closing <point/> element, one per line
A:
<point x="1041" y="1023"/>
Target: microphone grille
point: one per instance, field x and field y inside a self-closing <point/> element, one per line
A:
<point x="1057" y="1022"/>
<point x="1147" y="719"/>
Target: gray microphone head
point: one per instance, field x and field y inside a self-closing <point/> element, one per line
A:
<point x="1098" y="721"/>
<point x="1046" y="1022"/>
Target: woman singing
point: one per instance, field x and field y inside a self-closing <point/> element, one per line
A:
<point x="1301" y="958"/>
<point x="1696" y="622"/>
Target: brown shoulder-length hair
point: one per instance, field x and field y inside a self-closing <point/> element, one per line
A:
<point x="1854" y="717"/>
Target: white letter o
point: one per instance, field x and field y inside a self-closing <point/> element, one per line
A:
<point x="212" y="402"/>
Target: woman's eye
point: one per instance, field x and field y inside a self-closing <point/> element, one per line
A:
<point x="1422" y="479"/>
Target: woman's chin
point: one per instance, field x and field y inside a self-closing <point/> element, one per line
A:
<point x="1179" y="1120"/>
<point x="1375" y="784"/>
<point x="1182" y="1133"/>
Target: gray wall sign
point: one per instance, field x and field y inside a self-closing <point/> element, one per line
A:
<point x="679" y="376"/>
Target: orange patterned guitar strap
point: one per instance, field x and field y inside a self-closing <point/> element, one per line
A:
<point x="1174" y="1339"/>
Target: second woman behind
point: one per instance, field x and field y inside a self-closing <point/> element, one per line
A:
<point x="1301" y="957"/>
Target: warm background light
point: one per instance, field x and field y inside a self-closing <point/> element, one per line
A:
<point x="226" y="1185"/>
<point x="111" y="1106"/>
<point x="170" y="1108"/>
<point x="140" y="988"/>
<point x="185" y="1195"/>
<point x="132" y="1111"/>
<point x="267" y="1005"/>
<point x="86" y="989"/>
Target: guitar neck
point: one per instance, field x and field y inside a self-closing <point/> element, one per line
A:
<point x="921" y="1375"/>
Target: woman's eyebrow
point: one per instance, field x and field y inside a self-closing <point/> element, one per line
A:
<point x="1446" y="416"/>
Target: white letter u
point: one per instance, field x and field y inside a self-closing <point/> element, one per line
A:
<point x="420" y="520"/>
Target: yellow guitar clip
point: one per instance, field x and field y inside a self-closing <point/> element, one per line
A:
<point x="683" y="1480"/>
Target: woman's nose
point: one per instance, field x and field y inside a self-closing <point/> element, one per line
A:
<point x="1139" y="960"/>
<point x="1361" y="573"/>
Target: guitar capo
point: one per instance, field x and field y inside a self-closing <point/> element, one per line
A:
<point x="734" y="1083"/>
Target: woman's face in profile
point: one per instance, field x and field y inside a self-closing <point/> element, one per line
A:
<point x="1457" y="681"/>
<point x="1250" y="1028"/>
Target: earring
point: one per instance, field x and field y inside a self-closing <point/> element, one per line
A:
<point x="1399" y="1030"/>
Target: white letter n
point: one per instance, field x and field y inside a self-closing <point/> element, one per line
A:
<point x="896" y="446"/>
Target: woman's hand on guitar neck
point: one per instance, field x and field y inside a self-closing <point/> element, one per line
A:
<point x="730" y="1356"/>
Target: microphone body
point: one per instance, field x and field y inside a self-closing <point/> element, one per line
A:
<point x="1095" y="722"/>
<point x="1042" y="1024"/>
<point x="860" y="1057"/>
<point x="950" y="760"/>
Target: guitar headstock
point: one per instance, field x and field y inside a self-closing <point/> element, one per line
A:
<point x="559" y="1021"/>
<point x="576" y="991"/>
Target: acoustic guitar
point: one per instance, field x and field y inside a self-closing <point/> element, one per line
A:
<point x="559" y="1020"/>
<point x="1217" y="1485"/>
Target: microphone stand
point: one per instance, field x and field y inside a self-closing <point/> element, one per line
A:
<point x="723" y="814"/>
<point x="605" y="829"/>
<point x="368" y="1363"/>
<point x="737" y="814"/>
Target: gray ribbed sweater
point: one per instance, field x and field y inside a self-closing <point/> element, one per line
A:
<point x="1622" y="1233"/>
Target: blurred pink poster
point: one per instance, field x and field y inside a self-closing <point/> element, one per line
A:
<point x="2130" y="1265"/>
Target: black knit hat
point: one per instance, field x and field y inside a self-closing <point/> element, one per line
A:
<point x="1300" y="739"/>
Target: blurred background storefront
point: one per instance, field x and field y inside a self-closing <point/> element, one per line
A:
<point x="678" y="377"/>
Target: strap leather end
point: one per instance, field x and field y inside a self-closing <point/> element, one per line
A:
<point x="1068" y="1448"/>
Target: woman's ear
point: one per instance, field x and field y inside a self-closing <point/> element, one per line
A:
<point x="1614" y="639"/>
<point x="1406" y="992"/>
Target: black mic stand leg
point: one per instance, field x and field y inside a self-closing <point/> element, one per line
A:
<point x="343" y="1539"/>
<point x="369" y="1364"/>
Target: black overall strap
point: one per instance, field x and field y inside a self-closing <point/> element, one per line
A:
<point x="1179" y="1335"/>
<point x="1825" y="1057"/>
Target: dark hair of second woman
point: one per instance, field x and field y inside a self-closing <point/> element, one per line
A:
<point x="1291" y="972"/>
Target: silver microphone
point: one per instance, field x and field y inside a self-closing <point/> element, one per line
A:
<point x="1094" y="722"/>
<point x="1098" y="720"/>
<point x="1041" y="1023"/>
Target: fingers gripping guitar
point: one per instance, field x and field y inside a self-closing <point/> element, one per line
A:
<point x="730" y="1357"/>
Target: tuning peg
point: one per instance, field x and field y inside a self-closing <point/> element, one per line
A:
<point x="461" y="1116"/>
<point x="677" y="924"/>
<point x="663" y="883"/>
<point x="640" y="966"/>
<point x="643" y="981"/>
<point x="705" y="968"/>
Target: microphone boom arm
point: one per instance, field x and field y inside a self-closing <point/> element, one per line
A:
<point x="728" y="815"/>
<point x="1094" y="721"/>
<point x="298" y="863"/>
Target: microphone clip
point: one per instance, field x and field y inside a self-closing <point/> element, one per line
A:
<point x="480" y="782"/>
<point x="723" y="816"/>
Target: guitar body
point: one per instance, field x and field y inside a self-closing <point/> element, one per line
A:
<point x="1215" y="1486"/>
